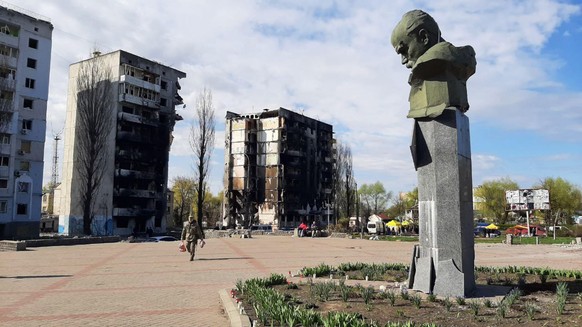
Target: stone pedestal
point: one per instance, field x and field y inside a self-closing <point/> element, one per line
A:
<point x="444" y="262"/>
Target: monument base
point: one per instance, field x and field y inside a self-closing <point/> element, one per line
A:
<point x="444" y="261"/>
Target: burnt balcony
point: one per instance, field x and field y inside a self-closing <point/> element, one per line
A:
<point x="133" y="212"/>
<point x="134" y="174"/>
<point x="134" y="193"/>
<point x="140" y="83"/>
<point x="137" y="119"/>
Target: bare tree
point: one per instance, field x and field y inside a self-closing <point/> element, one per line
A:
<point x="93" y="124"/>
<point x="343" y="180"/>
<point x="202" y="144"/>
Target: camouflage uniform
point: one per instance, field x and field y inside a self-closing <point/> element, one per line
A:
<point x="191" y="233"/>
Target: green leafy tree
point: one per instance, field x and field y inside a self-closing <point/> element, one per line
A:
<point x="491" y="198"/>
<point x="184" y="189"/>
<point x="565" y="200"/>
<point x="402" y="203"/>
<point x="374" y="198"/>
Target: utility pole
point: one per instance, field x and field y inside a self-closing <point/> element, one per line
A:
<point x="55" y="163"/>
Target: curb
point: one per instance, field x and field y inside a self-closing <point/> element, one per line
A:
<point x="236" y="318"/>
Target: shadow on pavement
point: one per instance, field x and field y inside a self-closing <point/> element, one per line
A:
<point x="211" y="259"/>
<point x="39" y="276"/>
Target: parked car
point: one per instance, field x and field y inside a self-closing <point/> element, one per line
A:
<point x="165" y="238"/>
<point x="376" y="227"/>
<point x="520" y="230"/>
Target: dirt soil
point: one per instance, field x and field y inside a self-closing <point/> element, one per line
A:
<point x="541" y="296"/>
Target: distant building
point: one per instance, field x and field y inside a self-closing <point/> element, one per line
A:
<point x="133" y="194"/>
<point x="278" y="169"/>
<point x="25" y="55"/>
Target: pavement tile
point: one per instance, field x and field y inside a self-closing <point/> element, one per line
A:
<point x="152" y="284"/>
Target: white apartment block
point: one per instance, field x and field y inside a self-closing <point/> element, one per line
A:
<point x="25" y="55"/>
<point x="133" y="194"/>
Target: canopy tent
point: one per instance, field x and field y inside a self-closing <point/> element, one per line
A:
<point x="393" y="223"/>
<point x="405" y="223"/>
<point x="491" y="226"/>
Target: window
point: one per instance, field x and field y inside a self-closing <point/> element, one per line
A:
<point x="163" y="102"/>
<point x="33" y="43"/>
<point x="4" y="161"/>
<point x="23" y="187"/>
<point x="3" y="207"/>
<point x="29" y="83"/>
<point x="3" y="183"/>
<point x="25" y="165"/>
<point x="4" y="138"/>
<point x="164" y="85"/>
<point x="25" y="146"/>
<point x="27" y="124"/>
<point x="31" y="63"/>
<point x="21" y="209"/>
<point x="28" y="103"/>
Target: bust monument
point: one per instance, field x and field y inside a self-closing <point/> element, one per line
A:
<point x="443" y="262"/>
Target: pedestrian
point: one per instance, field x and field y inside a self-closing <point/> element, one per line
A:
<point x="302" y="228"/>
<point x="314" y="228"/>
<point x="192" y="234"/>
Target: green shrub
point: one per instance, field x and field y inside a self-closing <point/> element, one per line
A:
<point x="530" y="310"/>
<point x="475" y="306"/>
<point x="416" y="300"/>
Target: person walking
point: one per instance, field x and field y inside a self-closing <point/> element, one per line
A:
<point x="192" y="234"/>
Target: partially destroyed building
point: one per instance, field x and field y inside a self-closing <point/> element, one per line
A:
<point x="25" y="58"/>
<point x="132" y="195"/>
<point x="278" y="169"/>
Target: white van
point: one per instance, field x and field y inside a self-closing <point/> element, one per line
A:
<point x="376" y="227"/>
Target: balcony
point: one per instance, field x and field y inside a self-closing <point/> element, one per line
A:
<point x="140" y="83"/>
<point x="9" y="39"/>
<point x="137" y="119"/>
<point x="139" y="101"/>
<point x="7" y="84"/>
<point x="134" y="174"/>
<point x="134" y="193"/>
<point x="132" y="212"/>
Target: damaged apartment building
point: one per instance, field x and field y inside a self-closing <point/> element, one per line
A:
<point x="278" y="169"/>
<point x="132" y="195"/>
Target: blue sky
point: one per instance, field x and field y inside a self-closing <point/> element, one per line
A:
<point x="333" y="61"/>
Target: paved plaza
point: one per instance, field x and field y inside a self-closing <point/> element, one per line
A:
<point x="152" y="284"/>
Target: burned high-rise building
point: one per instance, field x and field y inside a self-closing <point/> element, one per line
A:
<point x="132" y="195"/>
<point x="278" y="169"/>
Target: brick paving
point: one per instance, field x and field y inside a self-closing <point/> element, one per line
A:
<point x="152" y="284"/>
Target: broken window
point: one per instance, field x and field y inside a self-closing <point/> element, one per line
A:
<point x="31" y="63"/>
<point x="4" y="160"/>
<point x="33" y="43"/>
<point x="25" y="165"/>
<point x="3" y="183"/>
<point x="25" y="146"/>
<point x="21" y="209"/>
<point x="27" y="103"/>
<point x="27" y="124"/>
<point x="23" y="187"/>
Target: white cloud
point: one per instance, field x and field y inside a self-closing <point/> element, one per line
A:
<point x="332" y="59"/>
